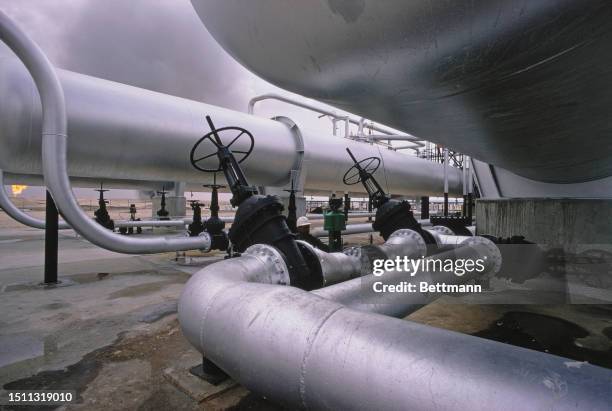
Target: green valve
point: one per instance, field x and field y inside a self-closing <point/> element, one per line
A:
<point x="333" y="221"/>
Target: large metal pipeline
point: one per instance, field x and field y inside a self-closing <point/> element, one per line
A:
<point x="357" y="294"/>
<point x="241" y="314"/>
<point x="519" y="84"/>
<point x="126" y="133"/>
<point x="54" y="150"/>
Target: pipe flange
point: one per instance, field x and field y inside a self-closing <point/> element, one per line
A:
<point x="491" y="251"/>
<point x="279" y="273"/>
<point x="442" y="230"/>
<point x="415" y="238"/>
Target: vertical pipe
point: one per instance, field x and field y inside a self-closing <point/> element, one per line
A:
<point x="470" y="186"/>
<point x="445" y="182"/>
<point x="371" y="237"/>
<point x="51" y="240"/>
<point x="424" y="208"/>
<point x="464" y="181"/>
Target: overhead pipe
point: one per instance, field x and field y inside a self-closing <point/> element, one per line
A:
<point x="18" y="215"/>
<point x="54" y="150"/>
<point x="148" y="135"/>
<point x="409" y="138"/>
<point x="241" y="314"/>
<point x="347" y="119"/>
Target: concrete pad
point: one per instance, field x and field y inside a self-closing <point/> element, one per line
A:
<point x="195" y="387"/>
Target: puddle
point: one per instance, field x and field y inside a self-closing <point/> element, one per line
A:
<point x="74" y="377"/>
<point x="546" y="334"/>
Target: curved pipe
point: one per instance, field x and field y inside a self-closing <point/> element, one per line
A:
<point x="347" y="119"/>
<point x="18" y="215"/>
<point x="54" y="136"/>
<point x="357" y="293"/>
<point x="237" y="314"/>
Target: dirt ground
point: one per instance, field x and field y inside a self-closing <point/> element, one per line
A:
<point x="113" y="336"/>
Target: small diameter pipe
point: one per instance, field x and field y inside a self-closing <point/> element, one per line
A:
<point x="445" y="182"/>
<point x="14" y="212"/>
<point x="350" y="229"/>
<point x="351" y="215"/>
<point x="55" y="138"/>
<point x="389" y="134"/>
<point x="307" y="352"/>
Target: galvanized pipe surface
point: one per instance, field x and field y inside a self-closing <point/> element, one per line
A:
<point x="330" y="113"/>
<point x="148" y="136"/>
<point x="335" y="267"/>
<point x="54" y="155"/>
<point x="357" y="293"/>
<point x="351" y="215"/>
<point x="236" y="313"/>
<point x="24" y="218"/>
<point x="350" y="229"/>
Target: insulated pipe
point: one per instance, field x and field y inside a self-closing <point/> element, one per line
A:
<point x="358" y="294"/>
<point x="238" y="315"/>
<point x="351" y="215"/>
<point x="148" y="136"/>
<point x="350" y="229"/>
<point x="165" y="223"/>
<point x="54" y="139"/>
<point x="358" y="228"/>
<point x="18" y="215"/>
<point x="334" y="267"/>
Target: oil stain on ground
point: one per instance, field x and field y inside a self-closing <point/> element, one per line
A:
<point x="544" y="333"/>
<point x="74" y="377"/>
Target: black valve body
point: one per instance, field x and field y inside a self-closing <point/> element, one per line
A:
<point x="394" y="215"/>
<point x="259" y="220"/>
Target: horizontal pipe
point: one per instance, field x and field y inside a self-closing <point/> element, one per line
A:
<point x="147" y="136"/>
<point x="54" y="137"/>
<point x="350" y="215"/>
<point x="350" y="229"/>
<point x="240" y="314"/>
<point x="14" y="212"/>
<point x="357" y="293"/>
<point x="358" y="228"/>
<point x="94" y="183"/>
<point x="335" y="116"/>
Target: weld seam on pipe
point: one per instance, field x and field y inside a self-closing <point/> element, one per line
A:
<point x="309" y="345"/>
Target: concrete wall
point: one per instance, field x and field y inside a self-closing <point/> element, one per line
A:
<point x="559" y="222"/>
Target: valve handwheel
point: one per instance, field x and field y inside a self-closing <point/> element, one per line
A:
<point x="211" y="143"/>
<point x="368" y="165"/>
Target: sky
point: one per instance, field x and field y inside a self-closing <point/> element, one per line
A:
<point x="159" y="45"/>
